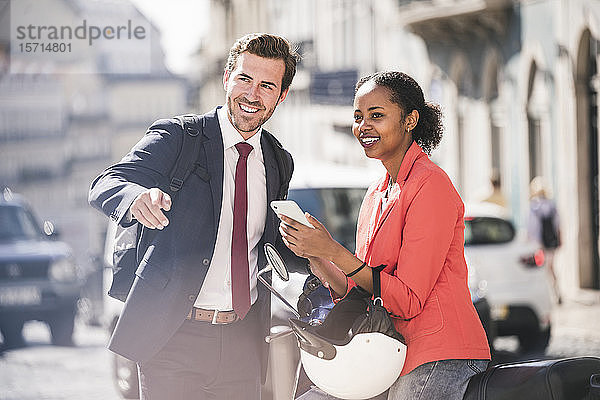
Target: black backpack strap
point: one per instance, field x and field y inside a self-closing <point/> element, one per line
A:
<point x="190" y="146"/>
<point x="285" y="164"/>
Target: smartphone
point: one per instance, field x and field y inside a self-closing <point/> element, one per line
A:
<point x="290" y="209"/>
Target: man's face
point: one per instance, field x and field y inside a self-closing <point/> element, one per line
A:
<point x="253" y="91"/>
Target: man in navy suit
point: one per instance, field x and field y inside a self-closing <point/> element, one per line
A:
<point x="183" y="321"/>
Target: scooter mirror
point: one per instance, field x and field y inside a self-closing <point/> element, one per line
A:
<point x="276" y="262"/>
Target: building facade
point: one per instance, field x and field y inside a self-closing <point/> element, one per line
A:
<point x="517" y="82"/>
<point x="520" y="82"/>
<point x="60" y="129"/>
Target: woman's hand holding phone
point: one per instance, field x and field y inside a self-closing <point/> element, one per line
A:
<point x="316" y="244"/>
<point x="303" y="233"/>
<point x="290" y="209"/>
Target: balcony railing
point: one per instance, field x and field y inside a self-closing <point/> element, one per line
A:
<point x="457" y="19"/>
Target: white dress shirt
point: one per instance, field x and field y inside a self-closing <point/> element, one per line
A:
<point x="216" y="289"/>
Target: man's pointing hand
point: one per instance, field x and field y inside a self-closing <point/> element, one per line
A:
<point x="147" y="208"/>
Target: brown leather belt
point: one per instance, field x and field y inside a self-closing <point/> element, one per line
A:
<point x="213" y="316"/>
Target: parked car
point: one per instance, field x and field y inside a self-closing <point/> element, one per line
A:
<point x="332" y="194"/>
<point x="125" y="373"/>
<point x="38" y="278"/>
<point x="513" y="270"/>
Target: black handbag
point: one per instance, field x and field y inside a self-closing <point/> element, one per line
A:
<point x="564" y="379"/>
<point x="377" y="319"/>
<point x="361" y="322"/>
<point x="360" y="312"/>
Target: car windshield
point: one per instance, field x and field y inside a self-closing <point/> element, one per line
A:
<point x="336" y="208"/>
<point x="16" y="223"/>
<point x="487" y="230"/>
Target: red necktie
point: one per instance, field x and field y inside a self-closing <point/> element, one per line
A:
<point x="240" y="284"/>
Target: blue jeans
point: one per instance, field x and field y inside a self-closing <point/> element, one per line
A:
<point x="445" y="379"/>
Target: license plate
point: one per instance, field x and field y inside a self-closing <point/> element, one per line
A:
<point x="20" y="296"/>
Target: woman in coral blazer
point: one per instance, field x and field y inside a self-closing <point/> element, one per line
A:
<point x="411" y="220"/>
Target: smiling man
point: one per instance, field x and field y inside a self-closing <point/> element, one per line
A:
<point x="252" y="95"/>
<point x="195" y="318"/>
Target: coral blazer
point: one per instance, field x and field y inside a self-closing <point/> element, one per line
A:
<point x="419" y="235"/>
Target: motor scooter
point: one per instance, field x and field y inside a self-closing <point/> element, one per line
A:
<point x="575" y="378"/>
<point x="284" y="355"/>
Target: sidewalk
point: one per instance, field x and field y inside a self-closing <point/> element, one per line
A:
<point x="575" y="332"/>
<point x="576" y="327"/>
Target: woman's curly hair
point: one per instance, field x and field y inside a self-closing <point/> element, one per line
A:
<point x="407" y="93"/>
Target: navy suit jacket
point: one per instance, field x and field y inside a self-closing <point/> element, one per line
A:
<point x="171" y="271"/>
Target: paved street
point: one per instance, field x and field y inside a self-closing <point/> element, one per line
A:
<point x="575" y="332"/>
<point x="43" y="372"/>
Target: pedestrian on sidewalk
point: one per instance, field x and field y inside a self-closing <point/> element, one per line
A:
<point x="544" y="226"/>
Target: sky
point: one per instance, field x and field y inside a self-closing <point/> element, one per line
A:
<point x="182" y="24"/>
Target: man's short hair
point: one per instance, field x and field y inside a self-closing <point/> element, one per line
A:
<point x="267" y="46"/>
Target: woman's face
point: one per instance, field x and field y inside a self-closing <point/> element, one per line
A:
<point x="379" y="124"/>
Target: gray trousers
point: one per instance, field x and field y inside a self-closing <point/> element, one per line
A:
<point x="204" y="361"/>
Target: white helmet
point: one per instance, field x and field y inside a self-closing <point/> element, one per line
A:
<point x="356" y="353"/>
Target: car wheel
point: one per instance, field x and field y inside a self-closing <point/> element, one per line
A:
<point x="534" y="340"/>
<point x="61" y="327"/>
<point x="13" y="335"/>
<point x="489" y="325"/>
<point x="126" y="377"/>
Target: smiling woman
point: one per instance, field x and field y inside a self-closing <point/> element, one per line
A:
<point x="402" y="90"/>
<point x="411" y="224"/>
